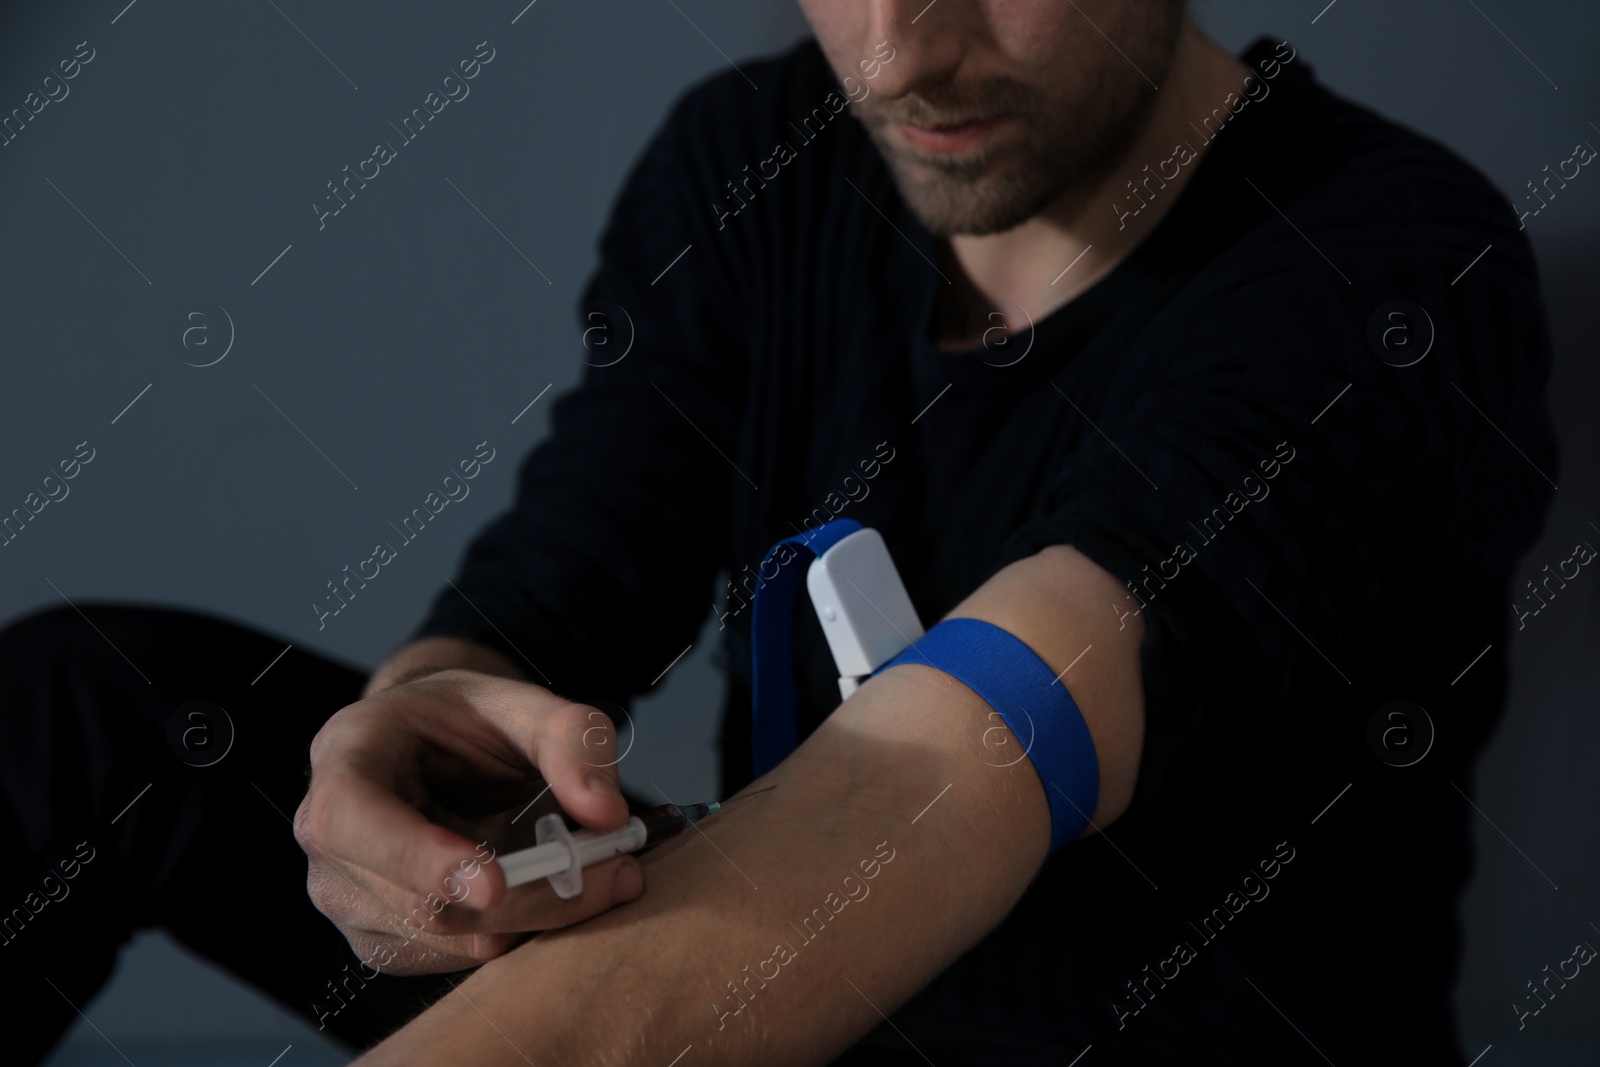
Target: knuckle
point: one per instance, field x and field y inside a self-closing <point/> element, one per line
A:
<point x="314" y="818"/>
<point x="304" y="833"/>
<point x="319" y="739"/>
<point x="328" y="734"/>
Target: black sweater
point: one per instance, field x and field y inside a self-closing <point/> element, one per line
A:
<point x="1310" y="528"/>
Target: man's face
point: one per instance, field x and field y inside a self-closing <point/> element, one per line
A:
<point x="989" y="109"/>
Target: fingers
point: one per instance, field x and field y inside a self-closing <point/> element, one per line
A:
<point x="536" y="906"/>
<point x="351" y="820"/>
<point x="574" y="747"/>
<point x="357" y="897"/>
<point x="531" y="907"/>
<point x="382" y="869"/>
<point x="423" y="942"/>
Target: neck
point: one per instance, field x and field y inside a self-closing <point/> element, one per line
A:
<point x="1083" y="234"/>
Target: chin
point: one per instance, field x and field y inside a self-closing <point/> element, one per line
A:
<point x="981" y="193"/>
<point x="991" y="204"/>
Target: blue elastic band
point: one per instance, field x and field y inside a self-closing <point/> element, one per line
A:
<point x="773" y="733"/>
<point x="1017" y="684"/>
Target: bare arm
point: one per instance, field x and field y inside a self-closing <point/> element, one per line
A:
<point x="897" y="837"/>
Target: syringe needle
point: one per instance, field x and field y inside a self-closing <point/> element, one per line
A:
<point x="747" y="796"/>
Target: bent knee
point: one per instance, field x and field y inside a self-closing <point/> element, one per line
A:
<point x="77" y="637"/>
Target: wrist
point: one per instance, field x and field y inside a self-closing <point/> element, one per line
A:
<point x="432" y="655"/>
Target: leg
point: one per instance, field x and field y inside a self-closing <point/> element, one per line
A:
<point x="124" y="806"/>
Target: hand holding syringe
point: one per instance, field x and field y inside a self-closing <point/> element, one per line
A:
<point x="412" y="783"/>
<point x="561" y="855"/>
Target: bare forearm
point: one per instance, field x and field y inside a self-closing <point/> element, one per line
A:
<point x="749" y="942"/>
<point x="429" y="655"/>
<point x="779" y="934"/>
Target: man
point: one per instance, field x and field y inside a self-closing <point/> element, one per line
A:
<point x="1102" y="329"/>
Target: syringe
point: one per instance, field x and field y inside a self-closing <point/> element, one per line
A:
<point x="561" y="854"/>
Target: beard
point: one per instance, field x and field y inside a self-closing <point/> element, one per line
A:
<point x="1059" y="137"/>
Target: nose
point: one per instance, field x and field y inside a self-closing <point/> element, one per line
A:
<point x="929" y="40"/>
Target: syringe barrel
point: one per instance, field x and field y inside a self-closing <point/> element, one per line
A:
<point x="630" y="837"/>
<point x="669" y="820"/>
<point x="663" y="823"/>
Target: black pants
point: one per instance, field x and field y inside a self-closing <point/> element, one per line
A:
<point x="125" y="805"/>
<point x="88" y="728"/>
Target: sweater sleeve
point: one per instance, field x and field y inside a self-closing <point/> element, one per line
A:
<point x="1293" y="515"/>
<point x="597" y="576"/>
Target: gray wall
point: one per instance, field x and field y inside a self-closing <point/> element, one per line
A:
<point x="409" y="329"/>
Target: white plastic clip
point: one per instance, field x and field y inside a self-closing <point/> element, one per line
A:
<point x="863" y="606"/>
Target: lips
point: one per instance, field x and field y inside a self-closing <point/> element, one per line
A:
<point x="954" y="137"/>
